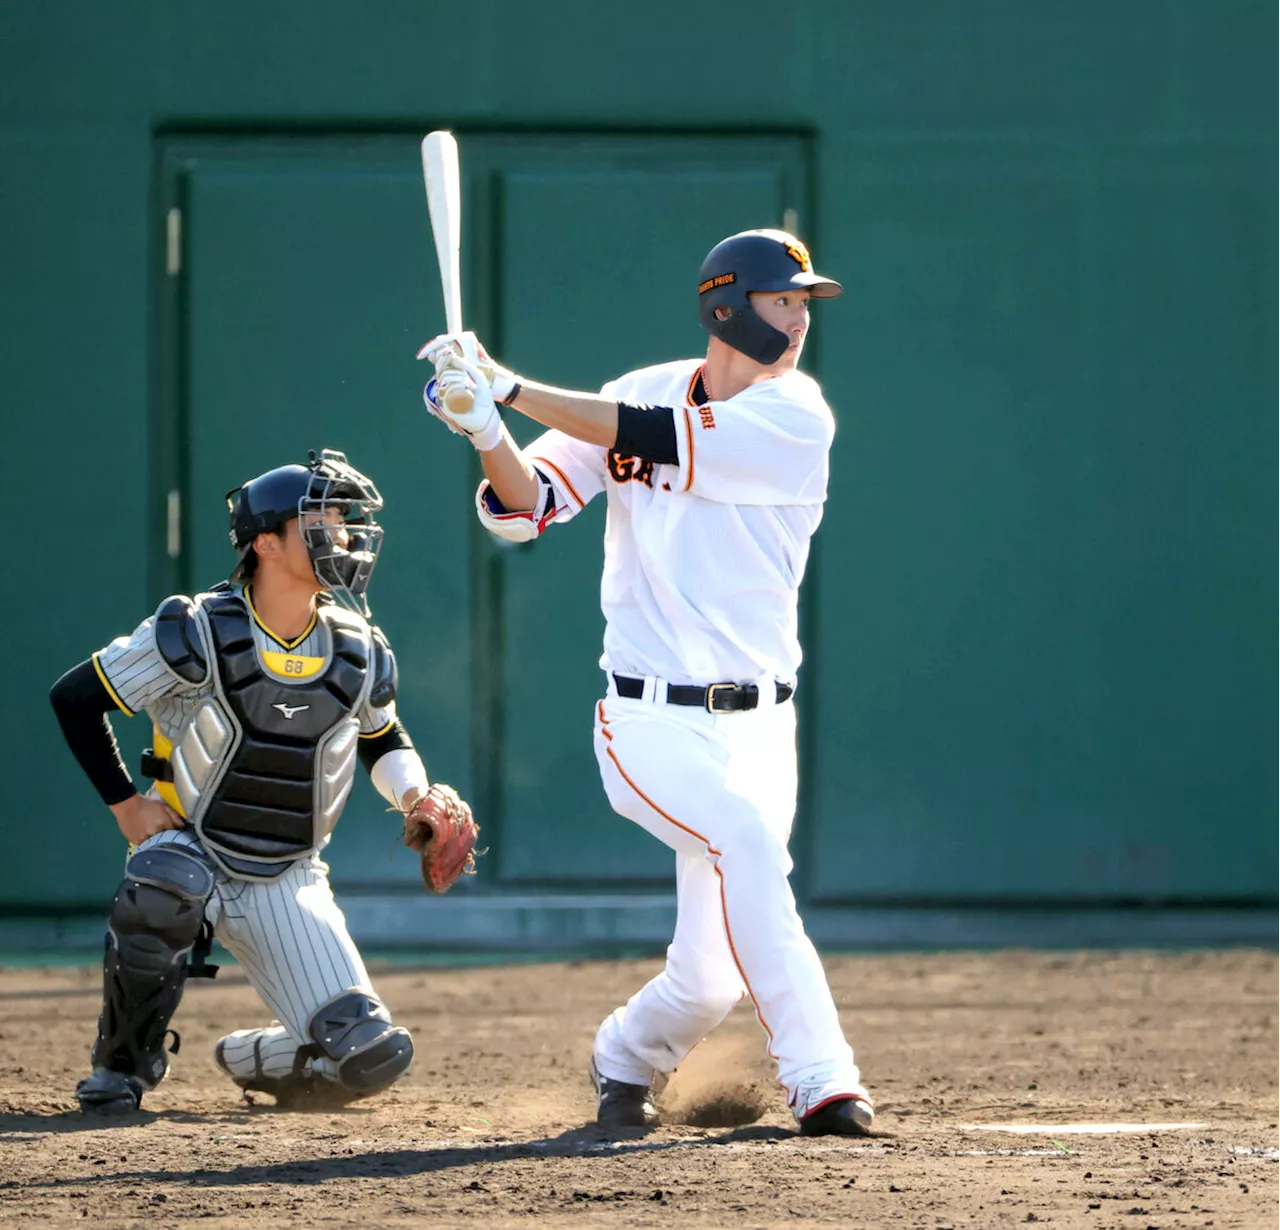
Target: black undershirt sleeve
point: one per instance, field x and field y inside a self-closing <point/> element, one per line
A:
<point x="82" y="703"/>
<point x="392" y="739"/>
<point x="647" y="432"/>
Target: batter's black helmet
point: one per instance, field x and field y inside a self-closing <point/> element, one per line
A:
<point x="754" y="260"/>
<point x="266" y="503"/>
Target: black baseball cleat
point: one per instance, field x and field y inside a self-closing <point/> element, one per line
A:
<point x="851" y="1116"/>
<point x="620" y="1105"/>
<point x="109" y="1093"/>
<point x="297" y="1090"/>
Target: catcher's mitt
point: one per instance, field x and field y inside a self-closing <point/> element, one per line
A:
<point x="440" y="827"/>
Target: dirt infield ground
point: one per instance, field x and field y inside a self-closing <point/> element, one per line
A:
<point x="491" y="1126"/>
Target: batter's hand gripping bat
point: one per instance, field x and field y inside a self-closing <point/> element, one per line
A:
<point x="444" y="203"/>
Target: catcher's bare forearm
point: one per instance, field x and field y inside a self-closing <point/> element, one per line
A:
<point x="584" y="416"/>
<point x="510" y="475"/>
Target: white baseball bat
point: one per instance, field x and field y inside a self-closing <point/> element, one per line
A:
<point x="444" y="203"/>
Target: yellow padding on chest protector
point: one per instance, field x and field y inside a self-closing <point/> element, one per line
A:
<point x="292" y="665"/>
<point x="162" y="748"/>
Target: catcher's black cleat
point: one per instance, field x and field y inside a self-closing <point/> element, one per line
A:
<point x="296" y="1090"/>
<point x="300" y="1092"/>
<point x="839" y="1117"/>
<point x="620" y="1105"/>
<point x="109" y="1093"/>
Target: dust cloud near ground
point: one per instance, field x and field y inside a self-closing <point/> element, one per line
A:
<point x="493" y="1125"/>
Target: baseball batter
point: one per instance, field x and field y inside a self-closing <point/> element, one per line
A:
<point x="715" y="473"/>
<point x="263" y="693"/>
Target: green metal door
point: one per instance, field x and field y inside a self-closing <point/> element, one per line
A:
<point x="303" y="279"/>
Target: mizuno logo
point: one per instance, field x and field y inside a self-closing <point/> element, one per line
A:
<point x="290" y="710"/>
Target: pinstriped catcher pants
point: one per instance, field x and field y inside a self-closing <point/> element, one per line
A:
<point x="289" y="936"/>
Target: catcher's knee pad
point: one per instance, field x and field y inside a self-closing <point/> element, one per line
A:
<point x="158" y="911"/>
<point x="354" y="1031"/>
<point x="154" y="922"/>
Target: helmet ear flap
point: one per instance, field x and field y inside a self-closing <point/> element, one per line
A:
<point x="739" y="326"/>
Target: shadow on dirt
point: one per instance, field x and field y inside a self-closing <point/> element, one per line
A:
<point x="60" y="1122"/>
<point x="576" y="1143"/>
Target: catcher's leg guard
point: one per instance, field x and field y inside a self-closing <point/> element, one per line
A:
<point x="155" y="920"/>
<point x="366" y="1052"/>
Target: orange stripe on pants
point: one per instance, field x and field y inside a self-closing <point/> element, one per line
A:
<point x="724" y="904"/>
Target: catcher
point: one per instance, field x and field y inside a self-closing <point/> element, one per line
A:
<point x="263" y="693"/>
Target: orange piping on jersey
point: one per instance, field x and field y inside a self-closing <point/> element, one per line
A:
<point x="724" y="905"/>
<point x="275" y="636"/>
<point x="693" y="384"/>
<point x="561" y="475"/>
<point x="106" y="683"/>
<point x="688" y="435"/>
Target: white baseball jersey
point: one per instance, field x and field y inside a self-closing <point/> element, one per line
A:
<point x="704" y="558"/>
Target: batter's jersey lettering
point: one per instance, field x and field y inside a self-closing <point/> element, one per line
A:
<point x="630" y="469"/>
<point x="704" y="558"/>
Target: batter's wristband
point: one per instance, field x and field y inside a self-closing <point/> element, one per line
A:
<point x="510" y="399"/>
<point x="505" y="386"/>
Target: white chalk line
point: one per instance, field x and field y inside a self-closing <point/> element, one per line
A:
<point x="1005" y="1153"/>
<point x="1078" y="1129"/>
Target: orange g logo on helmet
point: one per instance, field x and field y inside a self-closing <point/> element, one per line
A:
<point x="800" y="254"/>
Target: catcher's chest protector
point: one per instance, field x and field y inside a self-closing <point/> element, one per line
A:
<point x="265" y="763"/>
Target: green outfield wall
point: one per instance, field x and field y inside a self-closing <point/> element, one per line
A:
<point x="1040" y="619"/>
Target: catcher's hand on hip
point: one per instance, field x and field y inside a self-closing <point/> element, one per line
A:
<point x="439" y="825"/>
<point x="140" y="817"/>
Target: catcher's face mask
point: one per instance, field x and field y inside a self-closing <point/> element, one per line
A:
<point x="336" y="518"/>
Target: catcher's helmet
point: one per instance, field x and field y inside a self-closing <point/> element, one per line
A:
<point x="754" y="260"/>
<point x="266" y="503"/>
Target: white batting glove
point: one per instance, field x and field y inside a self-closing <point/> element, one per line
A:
<point x="465" y="345"/>
<point x="481" y="424"/>
<point x="470" y="349"/>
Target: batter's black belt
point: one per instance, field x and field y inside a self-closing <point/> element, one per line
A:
<point x="715" y="698"/>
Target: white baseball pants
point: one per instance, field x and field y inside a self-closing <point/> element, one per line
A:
<point x="720" y="790"/>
